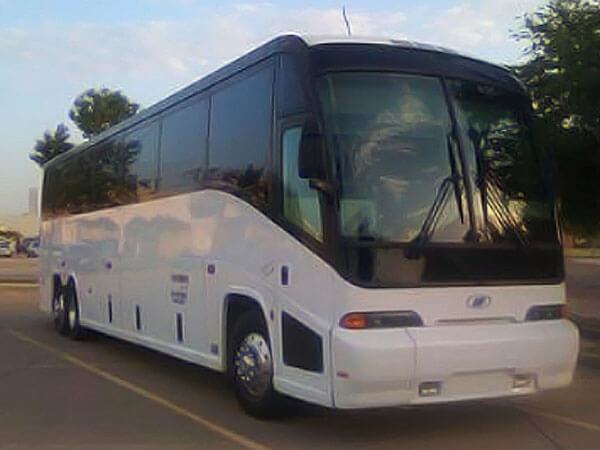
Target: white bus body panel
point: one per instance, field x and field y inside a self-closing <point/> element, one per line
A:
<point x="156" y="256"/>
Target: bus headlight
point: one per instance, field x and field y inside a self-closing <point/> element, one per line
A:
<point x="547" y="312"/>
<point x="385" y="319"/>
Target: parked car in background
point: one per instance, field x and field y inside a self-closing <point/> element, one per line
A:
<point x="7" y="248"/>
<point x="31" y="247"/>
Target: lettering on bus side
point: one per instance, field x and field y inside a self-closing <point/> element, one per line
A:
<point x="180" y="283"/>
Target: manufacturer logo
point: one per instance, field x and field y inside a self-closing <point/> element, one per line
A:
<point x="479" y="301"/>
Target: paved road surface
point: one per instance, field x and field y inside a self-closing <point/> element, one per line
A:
<point x="583" y="286"/>
<point x="105" y="394"/>
<point x="19" y="269"/>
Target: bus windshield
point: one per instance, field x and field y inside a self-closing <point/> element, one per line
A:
<point x="400" y="170"/>
<point x="511" y="198"/>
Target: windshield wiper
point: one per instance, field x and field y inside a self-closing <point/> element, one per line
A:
<point x="413" y="251"/>
<point x="450" y="143"/>
<point x="415" y="246"/>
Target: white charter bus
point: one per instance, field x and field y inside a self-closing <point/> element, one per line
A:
<point x="354" y="223"/>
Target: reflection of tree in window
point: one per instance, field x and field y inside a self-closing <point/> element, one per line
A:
<point x="115" y="186"/>
<point x="514" y="201"/>
<point x="183" y="147"/>
<point x="141" y="171"/>
<point x="391" y="134"/>
<point x="240" y="133"/>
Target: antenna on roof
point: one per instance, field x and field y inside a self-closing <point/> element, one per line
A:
<point x="346" y="21"/>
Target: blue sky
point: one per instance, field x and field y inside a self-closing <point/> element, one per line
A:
<point x="50" y="51"/>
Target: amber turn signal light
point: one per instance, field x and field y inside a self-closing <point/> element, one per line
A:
<point x="385" y="319"/>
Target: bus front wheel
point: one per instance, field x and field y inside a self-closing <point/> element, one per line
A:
<point x="251" y="364"/>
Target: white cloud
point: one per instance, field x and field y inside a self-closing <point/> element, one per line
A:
<point x="132" y="50"/>
<point x="481" y="27"/>
<point x="184" y="50"/>
<point x="179" y="49"/>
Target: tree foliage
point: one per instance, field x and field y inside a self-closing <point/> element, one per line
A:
<point x="563" y="75"/>
<point x="51" y="145"/>
<point x="96" y="110"/>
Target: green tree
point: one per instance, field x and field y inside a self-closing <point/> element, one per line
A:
<point x="563" y="75"/>
<point x="51" y="145"/>
<point x="96" y="110"/>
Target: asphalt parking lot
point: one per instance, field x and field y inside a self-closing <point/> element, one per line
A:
<point x="102" y="393"/>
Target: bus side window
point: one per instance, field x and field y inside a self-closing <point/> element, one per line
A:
<point x="241" y="115"/>
<point x="301" y="204"/>
<point x="183" y="147"/>
<point x="140" y="156"/>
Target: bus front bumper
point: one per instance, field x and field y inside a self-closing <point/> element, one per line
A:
<point x="388" y="367"/>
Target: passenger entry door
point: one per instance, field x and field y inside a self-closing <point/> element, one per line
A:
<point x="304" y="327"/>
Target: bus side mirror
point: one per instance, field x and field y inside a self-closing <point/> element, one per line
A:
<point x="311" y="160"/>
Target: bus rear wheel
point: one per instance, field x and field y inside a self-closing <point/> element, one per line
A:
<point x="59" y="312"/>
<point x="74" y="329"/>
<point x="251" y="367"/>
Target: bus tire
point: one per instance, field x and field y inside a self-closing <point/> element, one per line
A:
<point x="59" y="311"/>
<point x="75" y="330"/>
<point x="251" y="366"/>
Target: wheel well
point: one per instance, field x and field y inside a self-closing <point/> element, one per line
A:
<point x="57" y="285"/>
<point x="237" y="305"/>
<point x="73" y="285"/>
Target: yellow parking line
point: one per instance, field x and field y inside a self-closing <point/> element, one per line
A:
<point x="559" y="418"/>
<point x="19" y="285"/>
<point x="231" y="435"/>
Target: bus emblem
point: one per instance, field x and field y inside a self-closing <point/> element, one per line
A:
<point x="479" y="301"/>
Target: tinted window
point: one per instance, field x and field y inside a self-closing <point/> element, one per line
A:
<point x="240" y="133"/>
<point x="68" y="186"/>
<point x="142" y="144"/>
<point x="183" y="147"/>
<point x="512" y="198"/>
<point x="77" y="183"/>
<point x="53" y="195"/>
<point x="392" y="138"/>
<point x="112" y="185"/>
<point x="300" y="202"/>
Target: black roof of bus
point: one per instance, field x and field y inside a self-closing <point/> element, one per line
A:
<point x="292" y="43"/>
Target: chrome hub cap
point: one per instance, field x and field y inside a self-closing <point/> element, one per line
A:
<point x="72" y="314"/>
<point x="253" y="365"/>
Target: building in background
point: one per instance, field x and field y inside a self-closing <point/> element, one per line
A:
<point x="33" y="201"/>
<point x="25" y="224"/>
